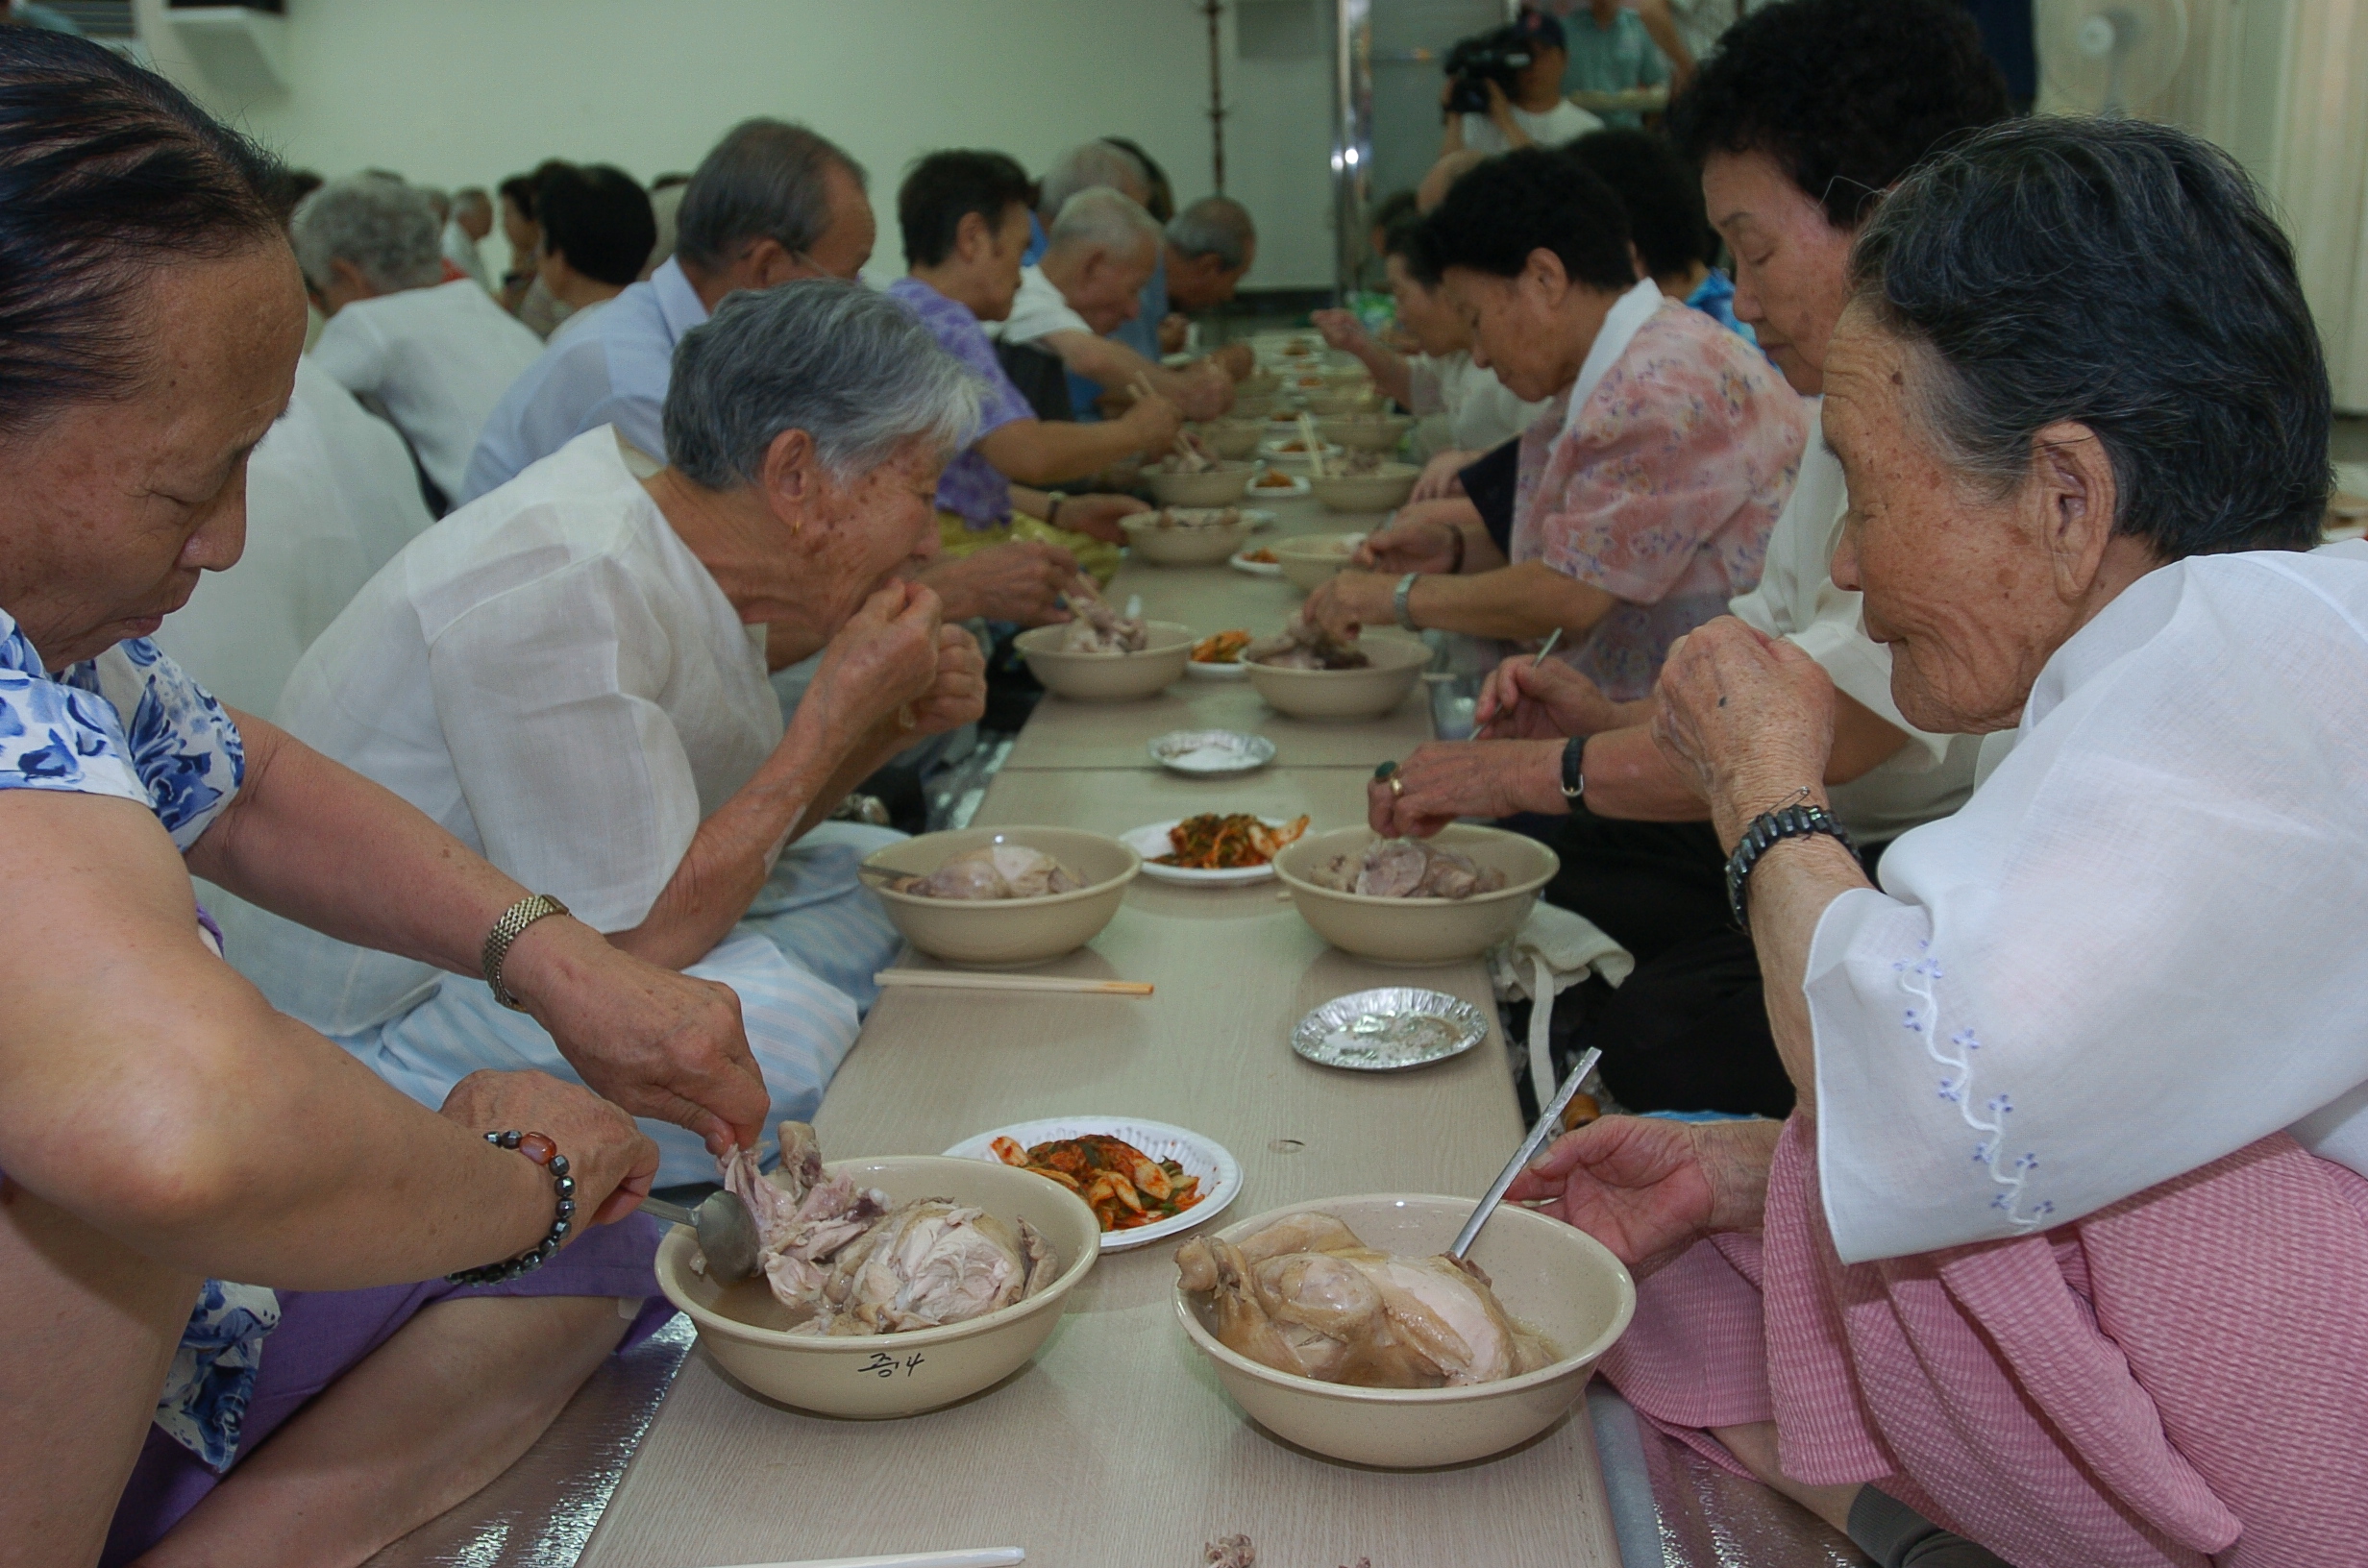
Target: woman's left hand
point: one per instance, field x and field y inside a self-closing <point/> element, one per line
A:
<point x="1346" y="602"/>
<point x="1748" y="717"/>
<point x="960" y="694"/>
<point x="1446" y="779"/>
<point x="1099" y="516"/>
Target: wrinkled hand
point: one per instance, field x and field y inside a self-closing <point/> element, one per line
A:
<point x="612" y="1162"/>
<point x="1649" y="1189"/>
<point x="1098" y="515"/>
<point x="1417" y="539"/>
<point x="1020" y="581"/>
<point x="1174" y="332"/>
<point x="657" y="1043"/>
<point x="1448" y="779"/>
<point x="1747" y="717"/>
<point x="1346" y="602"/>
<point x="1235" y="359"/>
<point x="1440" y="477"/>
<point x="1342" y="330"/>
<point x="1522" y="702"/>
<point x="1207" y="391"/>
<point x="882" y="659"/>
<point x="1152" y="423"/>
<point x="960" y="694"/>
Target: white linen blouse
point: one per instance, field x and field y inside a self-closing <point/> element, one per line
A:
<point x="2138" y="946"/>
<point x="553" y="675"/>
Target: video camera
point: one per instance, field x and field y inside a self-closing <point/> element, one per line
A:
<point x="1497" y="55"/>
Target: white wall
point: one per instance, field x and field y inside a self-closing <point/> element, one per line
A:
<point x="455" y="92"/>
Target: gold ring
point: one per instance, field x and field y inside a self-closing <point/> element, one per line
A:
<point x="1397" y="787"/>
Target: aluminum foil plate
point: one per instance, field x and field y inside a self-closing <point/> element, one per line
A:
<point x="1212" y="751"/>
<point x="1389" y="1029"/>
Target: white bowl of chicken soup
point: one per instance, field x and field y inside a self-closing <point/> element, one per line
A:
<point x="1219" y="486"/>
<point x="983" y="895"/>
<point x="1552" y="1281"/>
<point x="876" y="1375"/>
<point x="1433" y="900"/>
<point x="1109" y="677"/>
<point x="1395" y="664"/>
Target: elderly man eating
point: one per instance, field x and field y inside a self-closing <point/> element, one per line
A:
<point x="567" y="674"/>
<point x="2066" y="1249"/>
<point x="1211" y="246"/>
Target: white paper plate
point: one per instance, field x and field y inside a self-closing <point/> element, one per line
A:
<point x="1219" y="1173"/>
<point x="1152" y="839"/>
<point x="1236" y="671"/>
<point x="1298" y="487"/>
<point x="1187" y="752"/>
<point x="1240" y="561"/>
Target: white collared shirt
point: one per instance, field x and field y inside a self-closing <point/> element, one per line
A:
<point x="437" y="359"/>
<point x="1621" y="324"/>
<point x="611" y="370"/>
<point x="1037" y="310"/>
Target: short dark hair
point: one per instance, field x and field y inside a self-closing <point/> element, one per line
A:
<point x="107" y="171"/>
<point x="2126" y="276"/>
<point x="1844" y="95"/>
<point x="1396" y="205"/>
<point x="943" y="189"/>
<point x="1529" y="200"/>
<point x="599" y="217"/>
<point x="1662" y="197"/>
<point x="765" y="179"/>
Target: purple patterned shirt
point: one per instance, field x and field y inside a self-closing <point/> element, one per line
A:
<point x="971" y="488"/>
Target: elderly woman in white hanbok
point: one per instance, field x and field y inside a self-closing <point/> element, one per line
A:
<point x="2066" y="1249"/>
<point x="570" y="674"/>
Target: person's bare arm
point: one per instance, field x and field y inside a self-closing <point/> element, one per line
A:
<point x="1040" y="452"/>
<point x="155" y="1094"/>
<point x="1200" y="389"/>
<point x="1515" y="601"/>
<point x="316" y="842"/>
<point x="1662" y="28"/>
<point x="1342" y="330"/>
<point x="884" y="658"/>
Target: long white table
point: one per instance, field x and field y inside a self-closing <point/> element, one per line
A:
<point x="1115" y="1447"/>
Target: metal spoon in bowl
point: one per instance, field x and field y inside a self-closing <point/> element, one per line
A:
<point x="1548" y="1126"/>
<point x="726" y="1234"/>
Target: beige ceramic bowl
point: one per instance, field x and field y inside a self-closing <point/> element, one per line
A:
<point x="1382" y="490"/>
<point x="1184" y="546"/>
<point x="1289" y="453"/>
<point x="1236" y="437"/>
<point x="1364" y="432"/>
<point x="1308" y="559"/>
<point x="1557" y="1279"/>
<point x="927" y="1367"/>
<point x="1001" y="932"/>
<point x="1337" y="401"/>
<point x="1368" y="692"/>
<point x="1109" y="677"/>
<point x="1219" y="487"/>
<point x="1419" y="930"/>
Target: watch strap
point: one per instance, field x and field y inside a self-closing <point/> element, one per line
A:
<point x="1401" y="601"/>
<point x="506" y="930"/>
<point x="1767" y="830"/>
<point x="1574" y="767"/>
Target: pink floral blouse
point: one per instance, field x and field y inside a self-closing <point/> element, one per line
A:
<point x="1663" y="491"/>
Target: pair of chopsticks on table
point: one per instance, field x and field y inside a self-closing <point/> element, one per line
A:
<point x="985" y="1557"/>
<point x="956" y="980"/>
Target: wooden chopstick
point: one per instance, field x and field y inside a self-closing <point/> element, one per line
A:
<point x="1315" y="464"/>
<point x="950" y="980"/>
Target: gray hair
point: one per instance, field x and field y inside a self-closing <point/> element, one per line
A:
<point x="469" y="196"/>
<point x="1085" y="166"/>
<point x="2121" y="275"/>
<point x="765" y="179"/>
<point x="1102" y="218"/>
<point x="856" y="371"/>
<point x="1217" y="226"/>
<point x="384" y="229"/>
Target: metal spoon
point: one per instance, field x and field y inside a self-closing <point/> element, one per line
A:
<point x="1547" y="1125"/>
<point x="727" y="1233"/>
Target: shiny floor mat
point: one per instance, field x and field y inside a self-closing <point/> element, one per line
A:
<point x="542" y="1511"/>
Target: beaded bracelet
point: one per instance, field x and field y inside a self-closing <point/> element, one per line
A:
<point x="540" y="1149"/>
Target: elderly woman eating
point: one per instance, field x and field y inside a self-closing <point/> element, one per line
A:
<point x="159" y="1122"/>
<point x="2066" y="1248"/>
<point x="568" y="675"/>
<point x="1647" y="488"/>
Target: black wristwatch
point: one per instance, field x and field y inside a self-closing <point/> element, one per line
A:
<point x="1767" y="830"/>
<point x="1574" y="768"/>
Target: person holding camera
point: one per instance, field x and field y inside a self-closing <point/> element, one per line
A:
<point x="1505" y="90"/>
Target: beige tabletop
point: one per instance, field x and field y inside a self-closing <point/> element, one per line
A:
<point x="1115" y="1447"/>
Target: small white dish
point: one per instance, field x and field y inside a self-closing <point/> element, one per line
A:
<point x="1219" y="1173"/>
<point x="1152" y="839"/>
<point x="1203" y="669"/>
<point x="1204" y="753"/>
<point x="1261" y="491"/>
<point x="1240" y="561"/>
